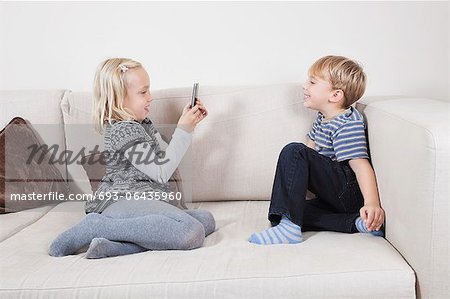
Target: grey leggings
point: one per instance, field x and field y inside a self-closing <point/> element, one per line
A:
<point x="136" y="226"/>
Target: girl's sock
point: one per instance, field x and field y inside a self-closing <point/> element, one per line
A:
<point x="362" y="228"/>
<point x="101" y="248"/>
<point x="286" y="232"/>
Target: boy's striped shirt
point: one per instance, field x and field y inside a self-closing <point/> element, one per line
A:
<point x="341" y="138"/>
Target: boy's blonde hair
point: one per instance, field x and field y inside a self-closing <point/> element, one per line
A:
<point x="110" y="89"/>
<point x="342" y="73"/>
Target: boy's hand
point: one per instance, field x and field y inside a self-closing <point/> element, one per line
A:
<point x="373" y="216"/>
<point x="192" y="116"/>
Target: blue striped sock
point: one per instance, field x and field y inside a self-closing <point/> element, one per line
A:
<point x="286" y="232"/>
<point x="362" y="228"/>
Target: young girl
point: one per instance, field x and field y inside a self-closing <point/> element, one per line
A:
<point x="121" y="226"/>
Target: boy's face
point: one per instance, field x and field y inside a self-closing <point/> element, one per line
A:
<point x="138" y="93"/>
<point x="317" y="92"/>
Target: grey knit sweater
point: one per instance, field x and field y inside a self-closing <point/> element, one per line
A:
<point x="121" y="176"/>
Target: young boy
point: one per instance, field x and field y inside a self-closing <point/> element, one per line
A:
<point x="334" y="163"/>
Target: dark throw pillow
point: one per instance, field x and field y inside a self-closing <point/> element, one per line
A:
<point x="25" y="176"/>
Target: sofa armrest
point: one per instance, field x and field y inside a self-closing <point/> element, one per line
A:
<point x="410" y="150"/>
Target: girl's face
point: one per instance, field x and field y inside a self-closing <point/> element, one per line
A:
<point x="138" y="93"/>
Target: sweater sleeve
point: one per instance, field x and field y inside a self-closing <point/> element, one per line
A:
<point x="154" y="167"/>
<point x="162" y="141"/>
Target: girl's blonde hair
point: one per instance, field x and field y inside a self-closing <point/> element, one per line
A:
<point x="110" y="89"/>
<point x="342" y="73"/>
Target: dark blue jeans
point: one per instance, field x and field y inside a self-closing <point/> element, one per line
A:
<point x="338" y="197"/>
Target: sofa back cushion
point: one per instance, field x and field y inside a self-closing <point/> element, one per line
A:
<point x="81" y="138"/>
<point x="234" y="150"/>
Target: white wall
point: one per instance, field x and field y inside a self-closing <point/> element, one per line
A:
<point x="403" y="45"/>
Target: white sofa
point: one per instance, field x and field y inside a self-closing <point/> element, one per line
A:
<point x="234" y="154"/>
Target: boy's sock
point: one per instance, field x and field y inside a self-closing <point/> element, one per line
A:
<point x="286" y="232"/>
<point x="362" y="228"/>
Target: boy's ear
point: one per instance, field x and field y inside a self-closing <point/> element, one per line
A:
<point x="337" y="96"/>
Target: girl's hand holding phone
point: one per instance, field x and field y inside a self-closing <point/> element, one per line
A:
<point x="192" y="116"/>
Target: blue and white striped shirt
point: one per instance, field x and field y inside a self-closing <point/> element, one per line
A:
<point x="341" y="138"/>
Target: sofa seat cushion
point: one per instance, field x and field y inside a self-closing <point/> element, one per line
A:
<point x="326" y="264"/>
<point x="12" y="223"/>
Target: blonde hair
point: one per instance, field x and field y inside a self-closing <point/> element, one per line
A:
<point x="342" y="73"/>
<point x="110" y="89"/>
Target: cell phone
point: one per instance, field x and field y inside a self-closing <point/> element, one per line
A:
<point x="194" y="94"/>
